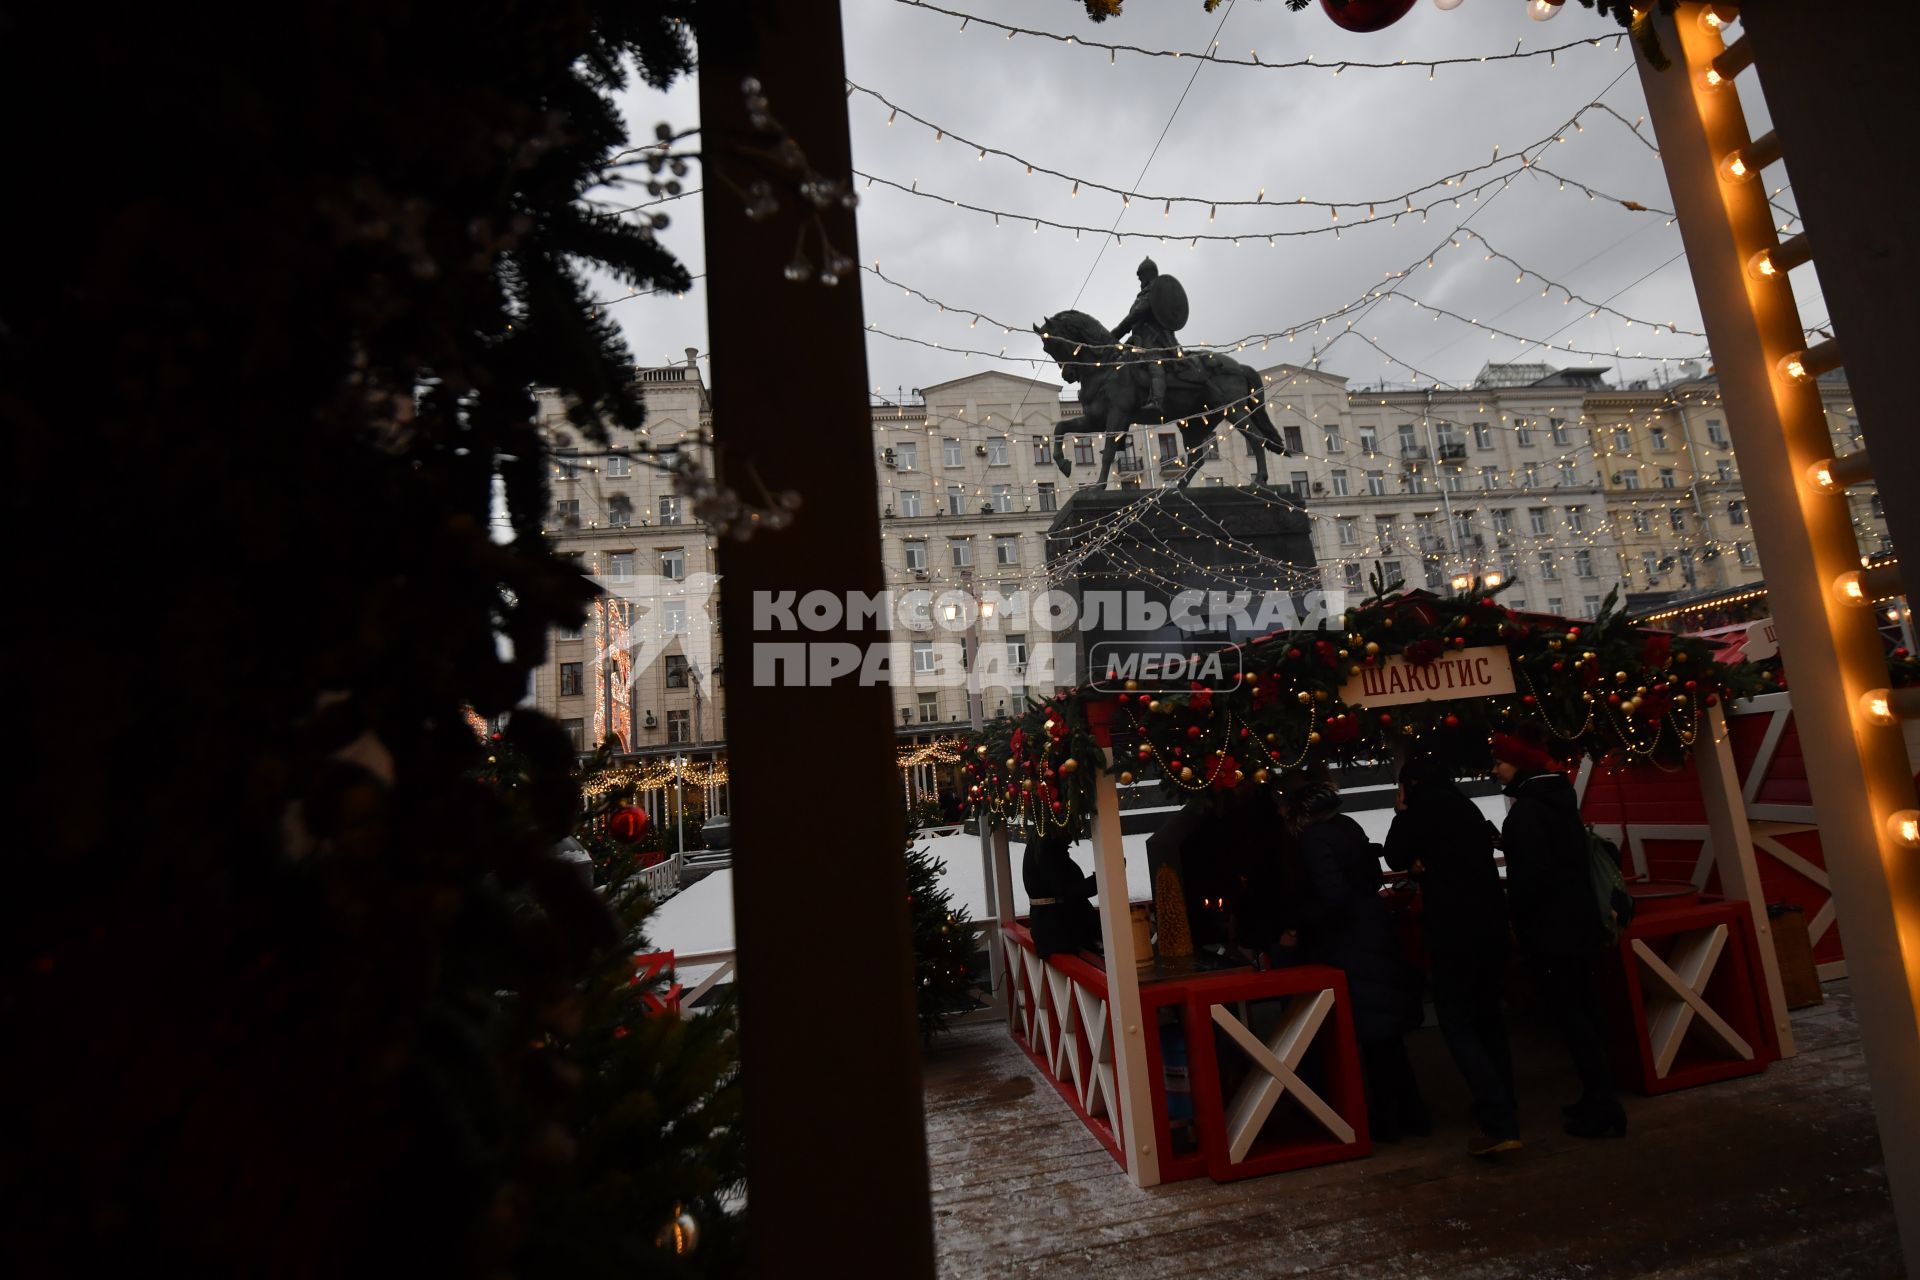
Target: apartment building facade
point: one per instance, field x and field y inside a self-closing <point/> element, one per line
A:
<point x="1563" y="485"/>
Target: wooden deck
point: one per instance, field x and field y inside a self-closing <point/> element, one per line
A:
<point x="1775" y="1174"/>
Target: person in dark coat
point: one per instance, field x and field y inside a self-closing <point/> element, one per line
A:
<point x="1557" y="919"/>
<point x="1061" y="897"/>
<point x="1342" y="922"/>
<point x="1441" y="837"/>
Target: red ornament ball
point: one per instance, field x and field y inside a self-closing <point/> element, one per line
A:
<point x="1452" y="721"/>
<point x="1367" y="15"/>
<point x="1386" y="717"/>
<point x="1193" y="731"/>
<point x="627" y="824"/>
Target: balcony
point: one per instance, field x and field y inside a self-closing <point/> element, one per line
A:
<point x="1452" y="450"/>
<point x="1413" y="451"/>
<point x="1130" y="462"/>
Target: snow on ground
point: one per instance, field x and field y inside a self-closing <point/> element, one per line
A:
<point x="700" y="918"/>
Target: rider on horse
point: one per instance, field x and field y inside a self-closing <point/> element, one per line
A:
<point x="1159" y="309"/>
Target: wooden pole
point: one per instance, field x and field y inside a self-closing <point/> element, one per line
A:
<point x="1858" y="771"/>
<point x="1733" y="855"/>
<point x="1123" y="985"/>
<point x="836" y="1138"/>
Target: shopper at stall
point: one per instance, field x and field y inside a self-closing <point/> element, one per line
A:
<point x="1441" y="837"/>
<point x="1342" y="922"/>
<point x="1060" y="895"/>
<point x="1557" y="918"/>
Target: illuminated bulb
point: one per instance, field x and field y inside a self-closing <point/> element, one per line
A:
<point x="1849" y="589"/>
<point x="1904" y="825"/>
<point x="1543" y="10"/>
<point x="1714" y="20"/>
<point x="1745" y="163"/>
<point x="1446" y="5"/>
<point x="1494" y="579"/>
<point x="1820" y="476"/>
<point x="1735" y="168"/>
<point x="1793" y="366"/>
<point x="1877" y="706"/>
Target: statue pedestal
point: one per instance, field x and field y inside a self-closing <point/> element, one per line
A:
<point x="1241" y="559"/>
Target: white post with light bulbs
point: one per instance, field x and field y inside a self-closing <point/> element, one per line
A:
<point x="1856" y="766"/>
<point x="993" y="855"/>
<point x="1133" y="1084"/>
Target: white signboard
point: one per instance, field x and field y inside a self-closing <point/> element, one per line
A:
<point x="1762" y="640"/>
<point x="1459" y="673"/>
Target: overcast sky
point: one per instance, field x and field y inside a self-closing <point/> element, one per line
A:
<point x="1361" y="135"/>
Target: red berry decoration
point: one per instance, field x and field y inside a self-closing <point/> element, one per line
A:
<point x="1366" y="15"/>
<point x="627" y="824"/>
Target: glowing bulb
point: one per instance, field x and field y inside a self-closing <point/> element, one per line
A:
<point x="1877" y="706"/>
<point x="1713" y="79"/>
<point x="1850" y="589"/>
<point x="1760" y="266"/>
<point x="1793" y="366"/>
<point x="1543" y="10"/>
<point x="1904" y="825"/>
<point x="1820" y="476"/>
<point x="1735" y="168"/>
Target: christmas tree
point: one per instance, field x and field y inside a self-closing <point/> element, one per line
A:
<point x="296" y="1008"/>
<point x="943" y="945"/>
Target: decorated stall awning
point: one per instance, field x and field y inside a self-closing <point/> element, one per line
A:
<point x="1407" y="671"/>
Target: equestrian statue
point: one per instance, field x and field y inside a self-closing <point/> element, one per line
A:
<point x="1152" y="381"/>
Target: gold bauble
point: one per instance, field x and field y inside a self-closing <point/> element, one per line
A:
<point x="1186" y="775"/>
<point x="1553" y="644"/>
<point x="1009" y="762"/>
<point x="1343" y="653"/>
<point x="1621" y="676"/>
<point x="1372" y="647"/>
<point x="1154" y="705"/>
<point x="1588" y="656"/>
<point x="980" y="751"/>
<point x="1303" y="697"/>
<point x="1239" y="776"/>
<point x="1259" y="775"/>
<point x="1679" y="699"/>
<point x="1354" y="670"/>
<point x="1407" y="730"/>
<point x="1319" y="695"/>
<point x="1641" y="691"/>
<point x="1132" y="685"/>
<point x="1680" y="657"/>
<point x="1126" y="779"/>
<point x="1270" y="739"/>
<point x="1313" y="739"/>
<point x="1069" y="765"/>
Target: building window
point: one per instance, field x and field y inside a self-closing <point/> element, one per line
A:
<point x="998" y="453"/>
<point x="1489" y="478"/>
<point x="1537" y="519"/>
<point x="1737" y="513"/>
<point x="1006" y="550"/>
<point x="1211" y="451"/>
<point x="566" y="466"/>
<point x="1630" y="479"/>
<point x="1383" y="531"/>
<point x="956" y="500"/>
<point x="673" y="617"/>
<point x="566" y="513"/>
<point x="1523" y="436"/>
<point x="1549" y="567"/>
<point x="1042" y="451"/>
<point x="679" y="726"/>
<point x="1659" y="437"/>
<point x="1339" y="478"/>
<point x="1369" y="441"/>
<point x="669" y="508"/>
<point x="1417" y="478"/>
<point x="1017" y="651"/>
<point x="961" y="550"/>
<point x="906" y="455"/>
<point x="929" y="708"/>
<point x="1568" y="476"/>
<point x="1725" y="470"/>
<point x="620" y="511"/>
<point x="1482" y="437"/>
<point x="916" y="554"/>
<point x="1622" y="440"/>
<point x="570" y="680"/>
<point x="1589" y="606"/>
<point x="1376" y="484"/>
<point x="909" y="500"/>
<point x="1667" y="478"/>
<point x="576" y="731"/>
<point x="1393" y="574"/>
<point x="1169" y="448"/>
<point x="1353" y="575"/>
<point x="1292" y="436"/>
<point x="1456" y="481"/>
<point x="1642" y="521"/>
<point x="923" y="657"/>
<point x="1558" y="426"/>
<point x="950" y="452"/>
<point x="1334" y="443"/>
<point x="1002" y="495"/>
<point x="1532" y="476"/>
<point x="619" y="466"/>
<point x="676" y="671"/>
<point x="1745" y="552"/>
<point x="1583" y="563"/>
<point x="673" y="564"/>
<point x="1577" y="519"/>
<point x="1349" y="532"/>
<point x="1650" y="565"/>
<point x="1678" y="519"/>
<point x="1503" y="519"/>
<point x="1407" y="445"/>
<point x="620" y="566"/>
<point x="1049" y="496"/>
<point x="1716" y="433"/>
<point x="570" y="633"/>
<point x="1082" y="451"/>
<point x="1297" y="483"/>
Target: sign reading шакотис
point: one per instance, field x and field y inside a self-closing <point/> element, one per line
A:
<point x="1462" y="673"/>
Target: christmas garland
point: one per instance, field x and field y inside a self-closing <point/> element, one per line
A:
<point x="1602" y="688"/>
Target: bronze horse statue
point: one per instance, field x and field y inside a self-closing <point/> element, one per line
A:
<point x="1204" y="390"/>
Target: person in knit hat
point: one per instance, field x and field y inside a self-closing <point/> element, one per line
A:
<point x="1556" y="917"/>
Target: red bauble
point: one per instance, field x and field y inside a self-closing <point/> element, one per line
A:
<point x="1367" y="15"/>
<point x="1452" y="722"/>
<point x="1193" y="731"/>
<point x="1386" y="717"/>
<point x="627" y="824"/>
